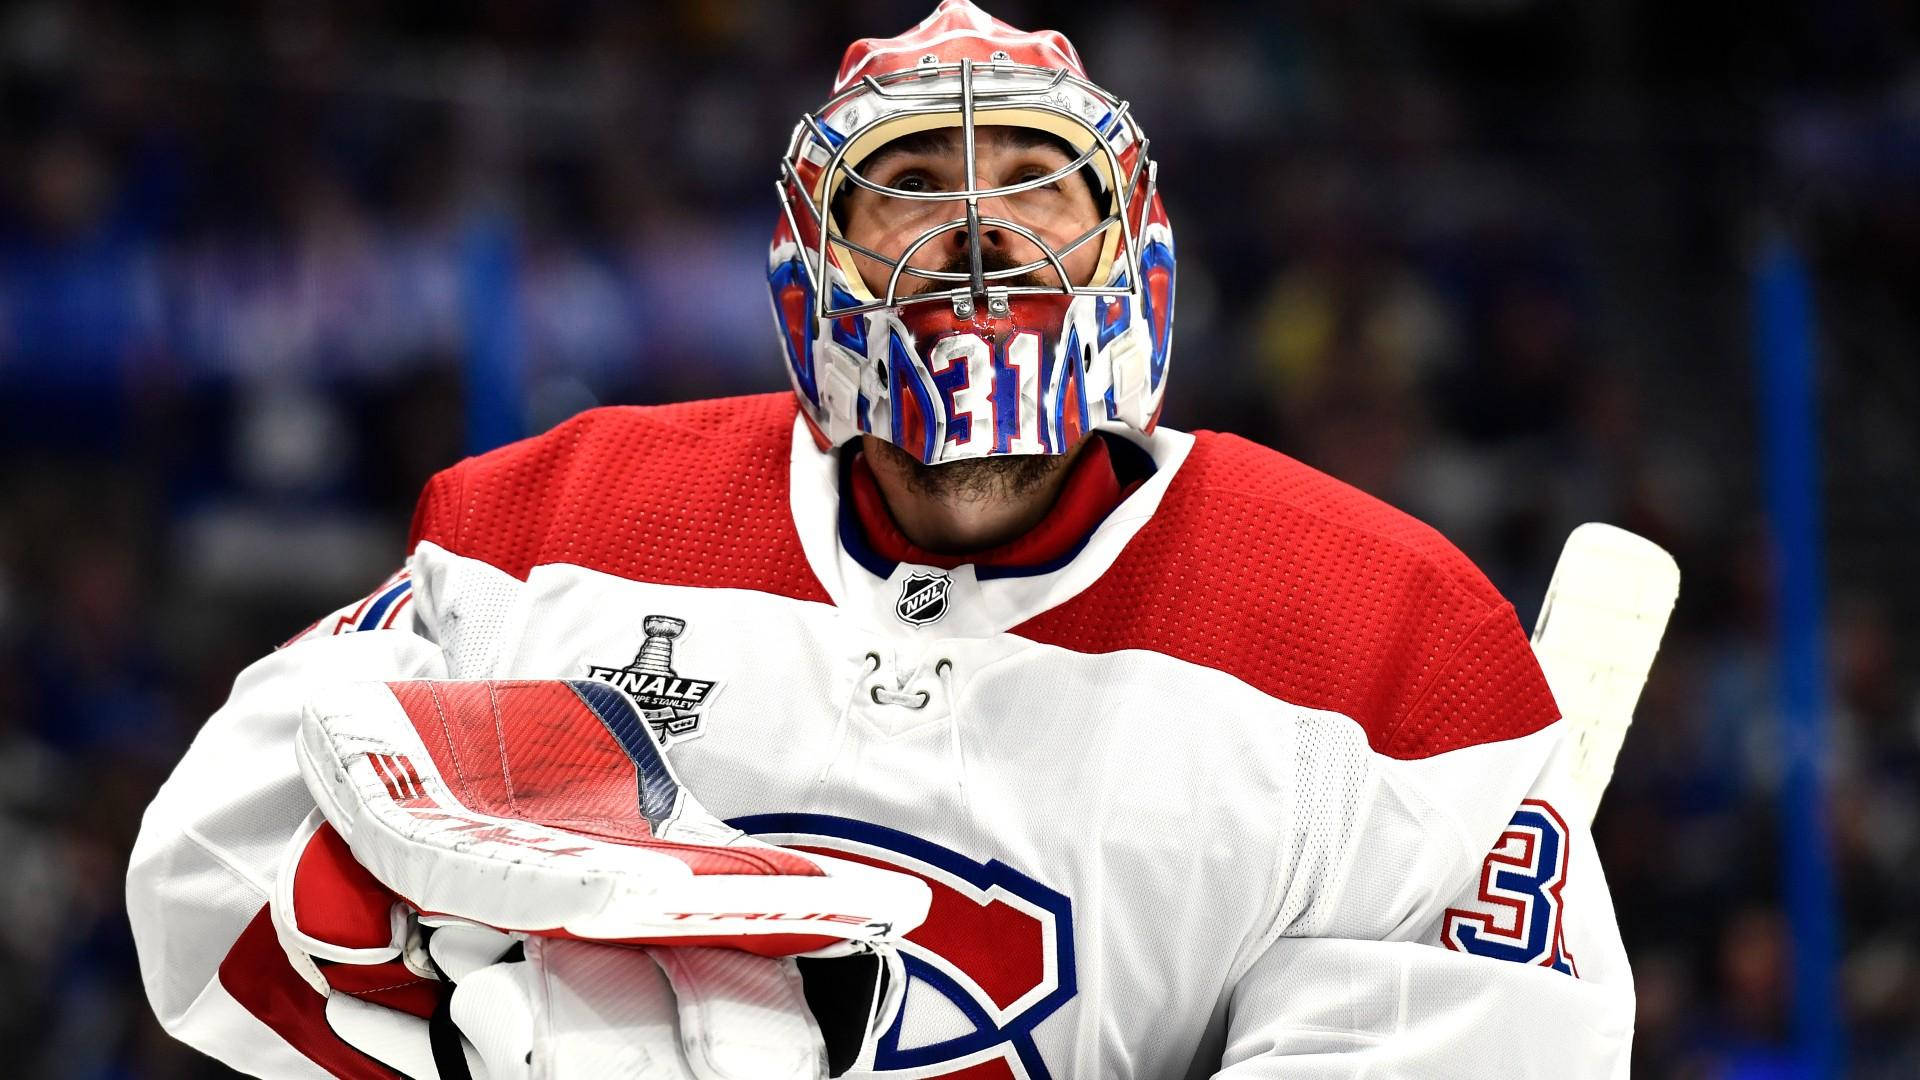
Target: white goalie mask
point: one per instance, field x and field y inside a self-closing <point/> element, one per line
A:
<point x="988" y="360"/>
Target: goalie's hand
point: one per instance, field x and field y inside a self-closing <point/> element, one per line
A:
<point x="542" y="809"/>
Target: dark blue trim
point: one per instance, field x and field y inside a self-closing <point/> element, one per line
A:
<point x="915" y="1057"/>
<point x="797" y="341"/>
<point x="1054" y="369"/>
<point x="1019" y="1031"/>
<point x="852" y="536"/>
<point x="1159" y="323"/>
<point x="371" y="620"/>
<point x="903" y="375"/>
<point x="849" y="331"/>
<point x="659" y="792"/>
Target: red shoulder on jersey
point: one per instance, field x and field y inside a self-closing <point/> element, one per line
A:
<point x="1317" y="594"/>
<point x="692" y="494"/>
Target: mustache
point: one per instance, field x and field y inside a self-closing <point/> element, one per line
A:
<point x="991" y="260"/>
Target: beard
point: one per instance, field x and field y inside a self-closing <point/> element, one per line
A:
<point x="1009" y="477"/>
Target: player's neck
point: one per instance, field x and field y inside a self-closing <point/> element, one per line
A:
<point x="967" y="506"/>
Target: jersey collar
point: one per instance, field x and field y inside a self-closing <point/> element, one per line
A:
<point x="865" y="570"/>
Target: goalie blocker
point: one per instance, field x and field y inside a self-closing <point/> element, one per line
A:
<point x="457" y="820"/>
<point x="543" y="807"/>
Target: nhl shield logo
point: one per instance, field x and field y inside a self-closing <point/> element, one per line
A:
<point x="923" y="598"/>
<point x="670" y="702"/>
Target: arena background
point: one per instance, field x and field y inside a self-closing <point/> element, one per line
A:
<point x="1512" y="264"/>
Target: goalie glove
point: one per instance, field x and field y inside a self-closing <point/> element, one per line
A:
<point x="542" y="810"/>
<point x="443" y="999"/>
<point x="544" y="807"/>
<point x="579" y="1009"/>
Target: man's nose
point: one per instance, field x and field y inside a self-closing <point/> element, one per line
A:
<point x="992" y="237"/>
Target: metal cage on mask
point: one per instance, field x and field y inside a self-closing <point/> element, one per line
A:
<point x="977" y="364"/>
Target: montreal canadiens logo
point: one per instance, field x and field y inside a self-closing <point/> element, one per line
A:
<point x="669" y="702"/>
<point x="923" y="598"/>
<point x="993" y="960"/>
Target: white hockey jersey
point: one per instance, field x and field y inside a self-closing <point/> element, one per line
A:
<point x="1255" y="782"/>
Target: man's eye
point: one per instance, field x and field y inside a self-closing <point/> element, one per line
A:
<point x="913" y="181"/>
<point x="1035" y="174"/>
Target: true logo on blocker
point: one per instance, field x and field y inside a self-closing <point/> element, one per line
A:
<point x="670" y="703"/>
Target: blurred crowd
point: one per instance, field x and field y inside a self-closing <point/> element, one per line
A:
<point x="1489" y="259"/>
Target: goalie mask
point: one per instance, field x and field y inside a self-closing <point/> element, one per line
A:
<point x="981" y="356"/>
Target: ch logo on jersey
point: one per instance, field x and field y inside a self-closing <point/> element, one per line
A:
<point x="992" y="961"/>
<point x="1518" y="914"/>
<point x="670" y="702"/>
<point x="923" y="598"/>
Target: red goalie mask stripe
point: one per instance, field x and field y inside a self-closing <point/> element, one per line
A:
<point x="955" y="31"/>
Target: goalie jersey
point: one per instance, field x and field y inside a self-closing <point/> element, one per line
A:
<point x="1256" y="780"/>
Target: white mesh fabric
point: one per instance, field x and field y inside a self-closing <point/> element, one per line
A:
<point x="467" y="606"/>
<point x="1331" y="767"/>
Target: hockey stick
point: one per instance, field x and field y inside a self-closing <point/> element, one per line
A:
<point x="1599" y="627"/>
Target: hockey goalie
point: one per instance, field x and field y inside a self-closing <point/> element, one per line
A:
<point x="948" y="716"/>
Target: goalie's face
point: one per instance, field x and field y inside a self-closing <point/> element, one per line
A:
<point x="933" y="161"/>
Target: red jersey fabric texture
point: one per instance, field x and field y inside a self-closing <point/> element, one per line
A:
<point x="692" y="494"/>
<point x="1254" y="564"/>
<point x="1317" y="594"/>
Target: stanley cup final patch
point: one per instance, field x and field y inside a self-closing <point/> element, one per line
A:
<point x="670" y="702"/>
<point x="923" y="598"/>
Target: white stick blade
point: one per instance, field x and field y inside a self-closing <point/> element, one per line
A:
<point x="1605" y="612"/>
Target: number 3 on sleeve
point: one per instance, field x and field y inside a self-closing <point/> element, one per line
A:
<point x="1517" y="915"/>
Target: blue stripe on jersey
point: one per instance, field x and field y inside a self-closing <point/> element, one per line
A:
<point x="852" y="537"/>
<point x="378" y="610"/>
